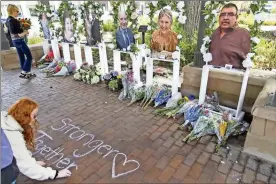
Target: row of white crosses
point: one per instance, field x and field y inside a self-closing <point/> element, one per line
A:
<point x="136" y="60"/>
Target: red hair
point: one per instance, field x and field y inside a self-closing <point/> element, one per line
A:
<point x="21" y="112"/>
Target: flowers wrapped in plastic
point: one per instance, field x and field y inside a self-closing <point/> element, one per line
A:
<point x="137" y="92"/>
<point x="201" y="127"/>
<point x="225" y="127"/>
<point x="127" y="81"/>
<point x="162" y="96"/>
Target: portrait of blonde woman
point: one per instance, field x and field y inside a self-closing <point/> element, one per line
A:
<point x="164" y="40"/>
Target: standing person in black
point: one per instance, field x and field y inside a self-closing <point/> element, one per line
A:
<point x="17" y="35"/>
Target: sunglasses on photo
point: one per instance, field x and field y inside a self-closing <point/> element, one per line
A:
<point x="230" y="14"/>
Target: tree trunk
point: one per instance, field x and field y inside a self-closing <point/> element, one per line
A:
<point x="193" y="13"/>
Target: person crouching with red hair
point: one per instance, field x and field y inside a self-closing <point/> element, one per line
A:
<point x="19" y="125"/>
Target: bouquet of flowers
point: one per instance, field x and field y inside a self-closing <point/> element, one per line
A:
<point x="113" y="80"/>
<point x="171" y="111"/>
<point x="162" y="96"/>
<point x="89" y="74"/>
<point x="150" y="93"/>
<point x="203" y="126"/>
<point x="25" y="23"/>
<point x="137" y="92"/>
<point x="128" y="83"/>
<point x="45" y="60"/>
<point x="224" y="128"/>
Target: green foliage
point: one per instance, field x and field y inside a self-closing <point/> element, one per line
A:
<point x="266" y="55"/>
<point x="115" y="5"/>
<point x="42" y="8"/>
<point x="34" y="40"/>
<point x="108" y="26"/>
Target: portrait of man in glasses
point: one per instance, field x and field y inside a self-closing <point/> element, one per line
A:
<point x="229" y="43"/>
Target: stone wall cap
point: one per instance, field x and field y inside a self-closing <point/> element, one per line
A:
<point x="256" y="77"/>
<point x="260" y="109"/>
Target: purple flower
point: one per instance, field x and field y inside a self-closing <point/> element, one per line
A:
<point x="114" y="73"/>
<point x="107" y="76"/>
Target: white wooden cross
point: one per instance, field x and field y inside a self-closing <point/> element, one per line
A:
<point x="66" y="51"/>
<point x="136" y="63"/>
<point x="204" y="82"/>
<point x="175" y="83"/>
<point x="55" y="48"/>
<point x="46" y="46"/>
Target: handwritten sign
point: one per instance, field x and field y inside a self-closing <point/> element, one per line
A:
<point x="91" y="144"/>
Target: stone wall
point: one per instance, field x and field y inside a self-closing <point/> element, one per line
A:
<point x="9" y="58"/>
<point x="227" y="85"/>
<point x="261" y="137"/>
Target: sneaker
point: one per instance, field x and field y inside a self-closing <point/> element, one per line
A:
<point x="27" y="75"/>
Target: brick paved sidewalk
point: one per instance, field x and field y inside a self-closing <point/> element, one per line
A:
<point x="70" y="112"/>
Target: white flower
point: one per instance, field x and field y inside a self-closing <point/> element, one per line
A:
<point x="147" y="52"/>
<point x="250" y="55"/>
<point x="75" y="35"/>
<point x="206" y="39"/>
<point x="136" y="36"/>
<point x="111" y="46"/>
<point x="146" y="11"/>
<point x="72" y="39"/>
<point x="138" y="85"/>
<point x="254" y="2"/>
<point x="128" y="48"/>
<point x="154" y="3"/>
<point x="81" y="22"/>
<point x="207" y="3"/>
<point x="258" y="18"/>
<point x="149" y="28"/>
<point x="206" y="17"/>
<point x="175" y="55"/>
<point x="247" y="63"/>
<point x="124" y="49"/>
<point x="73" y="17"/>
<point x="203" y="49"/>
<point x="60" y="38"/>
<point x="255" y="40"/>
<point x="180" y="5"/>
<point x="179" y="36"/>
<point x="131" y="8"/>
<point x="134" y="15"/>
<point x="48" y="14"/>
<point x="182" y="19"/>
<point x="215" y="12"/>
<point x="207" y="57"/>
<point x="167" y="7"/>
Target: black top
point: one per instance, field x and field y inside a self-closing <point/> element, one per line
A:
<point x="13" y="25"/>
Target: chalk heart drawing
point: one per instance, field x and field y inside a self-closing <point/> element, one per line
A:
<point x="114" y="175"/>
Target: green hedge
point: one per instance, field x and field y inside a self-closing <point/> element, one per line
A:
<point x="34" y="40"/>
